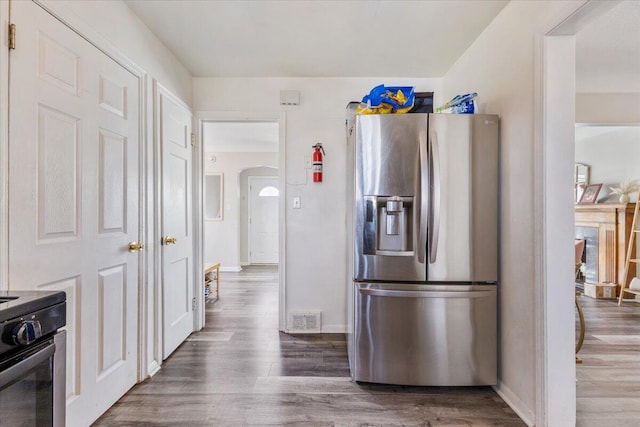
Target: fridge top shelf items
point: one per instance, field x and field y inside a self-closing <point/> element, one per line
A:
<point x="395" y="100"/>
<point x="387" y="99"/>
<point x="460" y="104"/>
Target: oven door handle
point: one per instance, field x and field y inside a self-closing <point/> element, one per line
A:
<point x="19" y="369"/>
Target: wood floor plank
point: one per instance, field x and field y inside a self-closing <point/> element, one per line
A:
<point x="211" y="336"/>
<point x="619" y="339"/>
<point x="240" y="371"/>
<point x="608" y="380"/>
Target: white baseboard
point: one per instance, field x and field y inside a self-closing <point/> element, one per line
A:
<point x="516" y="404"/>
<point x="231" y="269"/>
<point x="329" y="329"/>
<point x="334" y="329"/>
<point x="153" y="368"/>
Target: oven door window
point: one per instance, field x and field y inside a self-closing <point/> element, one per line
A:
<point x="26" y="387"/>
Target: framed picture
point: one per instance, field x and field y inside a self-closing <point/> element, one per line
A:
<point x="590" y="194"/>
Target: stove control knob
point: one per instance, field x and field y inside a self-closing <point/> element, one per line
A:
<point x="27" y="332"/>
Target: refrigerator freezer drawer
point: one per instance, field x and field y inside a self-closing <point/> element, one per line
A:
<point x="428" y="335"/>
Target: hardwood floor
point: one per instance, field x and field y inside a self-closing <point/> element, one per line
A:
<point x="239" y="370"/>
<point x="608" y="380"/>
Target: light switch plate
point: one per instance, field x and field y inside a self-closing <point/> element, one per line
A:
<point x="296" y="203"/>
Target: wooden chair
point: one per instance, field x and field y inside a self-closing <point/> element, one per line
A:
<point x="209" y="268"/>
<point x="578" y="260"/>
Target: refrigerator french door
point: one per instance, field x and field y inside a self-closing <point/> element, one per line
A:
<point x="424" y="235"/>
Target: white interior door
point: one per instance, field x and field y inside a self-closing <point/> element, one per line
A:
<point x="177" y="236"/>
<point x="263" y="219"/>
<point x="73" y="200"/>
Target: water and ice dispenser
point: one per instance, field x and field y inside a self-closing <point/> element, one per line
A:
<point x="388" y="226"/>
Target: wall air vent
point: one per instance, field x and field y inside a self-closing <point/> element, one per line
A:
<point x="289" y="97"/>
<point x="304" y="322"/>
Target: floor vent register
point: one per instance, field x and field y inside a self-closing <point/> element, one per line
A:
<point x="307" y="322"/>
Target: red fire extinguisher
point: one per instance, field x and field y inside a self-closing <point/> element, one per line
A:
<point x="317" y="162"/>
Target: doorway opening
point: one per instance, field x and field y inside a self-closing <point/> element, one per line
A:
<point x="242" y="224"/>
<point x="607" y="151"/>
<point x="565" y="96"/>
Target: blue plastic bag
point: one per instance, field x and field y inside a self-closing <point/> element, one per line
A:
<point x="387" y="99"/>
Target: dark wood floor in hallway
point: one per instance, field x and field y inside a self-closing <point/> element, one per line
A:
<point x="608" y="380"/>
<point x="240" y="371"/>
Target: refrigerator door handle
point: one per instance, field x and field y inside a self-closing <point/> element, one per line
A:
<point x="425" y="294"/>
<point x="434" y="195"/>
<point x="424" y="195"/>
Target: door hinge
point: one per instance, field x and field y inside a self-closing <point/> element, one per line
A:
<point x="193" y="304"/>
<point x="193" y="139"/>
<point x="12" y="36"/>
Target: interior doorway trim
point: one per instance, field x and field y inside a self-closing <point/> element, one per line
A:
<point x="4" y="150"/>
<point x="202" y="117"/>
<point x="554" y="157"/>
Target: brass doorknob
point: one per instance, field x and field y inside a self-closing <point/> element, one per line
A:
<point x="136" y="247"/>
<point x="170" y="240"/>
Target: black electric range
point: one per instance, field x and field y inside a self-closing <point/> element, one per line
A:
<point x="28" y="316"/>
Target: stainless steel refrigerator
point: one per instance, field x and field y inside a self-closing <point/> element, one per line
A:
<point x="423" y="248"/>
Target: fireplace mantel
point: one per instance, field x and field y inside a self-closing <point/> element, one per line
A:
<point x="613" y="221"/>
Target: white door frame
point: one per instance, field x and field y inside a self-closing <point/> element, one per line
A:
<point x="202" y="117"/>
<point x="554" y="215"/>
<point x="4" y="150"/>
<point x="250" y="179"/>
<point x="105" y="46"/>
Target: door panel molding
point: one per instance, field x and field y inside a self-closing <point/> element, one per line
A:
<point x="147" y="364"/>
<point x="71" y="286"/>
<point x="137" y="82"/>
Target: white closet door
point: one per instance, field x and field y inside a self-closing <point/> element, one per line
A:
<point x="73" y="200"/>
<point x="177" y="255"/>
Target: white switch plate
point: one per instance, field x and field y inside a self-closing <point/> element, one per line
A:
<point x="296" y="203"/>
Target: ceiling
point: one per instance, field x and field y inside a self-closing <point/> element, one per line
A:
<point x="608" y="51"/>
<point x="299" y="38"/>
<point x="368" y="38"/>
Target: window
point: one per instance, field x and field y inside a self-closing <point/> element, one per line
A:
<point x="269" y="191"/>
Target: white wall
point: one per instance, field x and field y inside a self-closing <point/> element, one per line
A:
<point x="315" y="244"/>
<point x="222" y="238"/>
<point x="617" y="108"/>
<point x="501" y="66"/>
<point x="120" y="27"/>
<point x="612" y="152"/>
